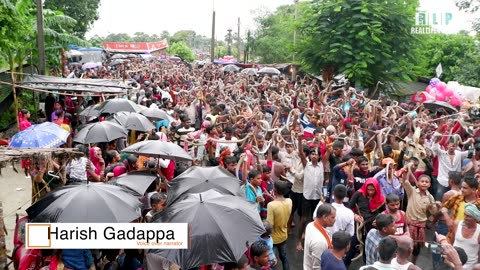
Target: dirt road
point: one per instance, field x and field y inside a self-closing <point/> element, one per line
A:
<point x="15" y="191"/>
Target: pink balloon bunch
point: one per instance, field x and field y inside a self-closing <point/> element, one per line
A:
<point x="440" y="91"/>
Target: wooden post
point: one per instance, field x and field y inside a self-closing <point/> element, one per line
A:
<point x="15" y="100"/>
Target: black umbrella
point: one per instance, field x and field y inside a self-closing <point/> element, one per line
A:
<point x="230" y="68"/>
<point x="91" y="111"/>
<point x="137" y="181"/>
<point x="439" y="105"/>
<point x="220" y="228"/>
<point x="201" y="179"/>
<point x="156" y="114"/>
<point x="118" y="105"/>
<point x="132" y="121"/>
<point x="250" y="71"/>
<point x="116" y="62"/>
<point x="269" y="70"/>
<point x="93" y="202"/>
<point x="119" y="56"/>
<point x="159" y="149"/>
<point x="105" y="131"/>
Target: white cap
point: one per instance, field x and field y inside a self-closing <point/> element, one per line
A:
<point x="331" y="128"/>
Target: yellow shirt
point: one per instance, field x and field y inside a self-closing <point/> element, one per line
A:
<point x="460" y="212"/>
<point x="278" y="213"/>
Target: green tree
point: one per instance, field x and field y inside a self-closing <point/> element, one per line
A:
<point x="182" y="50"/>
<point x="165" y="35"/>
<point x="18" y="32"/>
<point x="141" y="37"/>
<point x="183" y="35"/>
<point x="85" y="12"/>
<point x="274" y="34"/>
<point x="118" y="37"/>
<point x="447" y="49"/>
<point x="366" y="40"/>
<point x="467" y="71"/>
<point x="16" y="46"/>
<point x="96" y="41"/>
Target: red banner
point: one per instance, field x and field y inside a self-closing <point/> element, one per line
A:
<point x="135" y="46"/>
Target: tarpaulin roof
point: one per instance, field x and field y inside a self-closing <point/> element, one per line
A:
<point x="75" y="85"/>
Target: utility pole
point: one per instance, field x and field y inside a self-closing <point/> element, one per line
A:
<point x="238" y="40"/>
<point x="212" y="44"/>
<point x="247" y="50"/>
<point x="40" y="38"/>
<point x="294" y="71"/>
<point x="229" y="41"/>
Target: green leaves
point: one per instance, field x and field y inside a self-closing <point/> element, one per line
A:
<point x="363" y="39"/>
<point x="182" y="50"/>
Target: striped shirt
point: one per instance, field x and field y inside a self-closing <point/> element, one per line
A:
<point x="181" y="138"/>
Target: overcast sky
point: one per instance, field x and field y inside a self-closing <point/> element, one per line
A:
<point x="155" y="16"/>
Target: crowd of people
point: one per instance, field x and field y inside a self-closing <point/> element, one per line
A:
<point x="345" y="176"/>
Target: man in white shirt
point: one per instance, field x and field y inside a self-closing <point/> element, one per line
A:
<point x="317" y="238"/>
<point x="450" y="160"/>
<point x="345" y="220"/>
<point x="312" y="180"/>
<point x="228" y="137"/>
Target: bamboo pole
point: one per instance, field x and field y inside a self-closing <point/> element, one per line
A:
<point x="15" y="100"/>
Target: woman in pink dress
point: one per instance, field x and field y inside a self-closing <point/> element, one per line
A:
<point x="23" y="116"/>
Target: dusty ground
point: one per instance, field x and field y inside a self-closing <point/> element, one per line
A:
<point x="15" y="191"/>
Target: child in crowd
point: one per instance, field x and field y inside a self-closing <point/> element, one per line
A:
<point x="158" y="201"/>
<point x="267" y="189"/>
<point x="259" y="256"/>
<point x="419" y="201"/>
<point x="393" y="208"/>
<point x="253" y="189"/>
<point x="268" y="240"/>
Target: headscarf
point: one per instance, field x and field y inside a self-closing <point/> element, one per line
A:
<point x="378" y="199"/>
<point x="224" y="154"/>
<point x="472" y="210"/>
<point x="95" y="161"/>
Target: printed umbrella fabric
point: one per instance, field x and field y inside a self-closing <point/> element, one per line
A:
<point x="45" y="135"/>
<point x="223" y="223"/>
<point x="105" y="131"/>
<point x="93" y="202"/>
<point x="201" y="179"/>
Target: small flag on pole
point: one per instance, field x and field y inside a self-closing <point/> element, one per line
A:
<point x="439" y="70"/>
